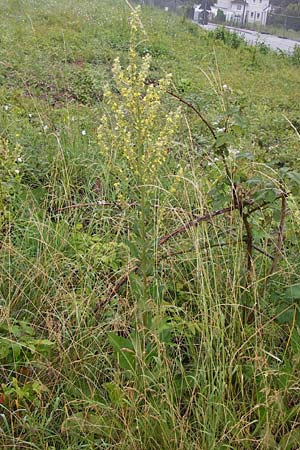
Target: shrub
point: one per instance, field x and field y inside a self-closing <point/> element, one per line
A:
<point x="296" y="55"/>
<point x="229" y="38"/>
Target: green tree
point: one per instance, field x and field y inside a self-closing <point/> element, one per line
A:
<point x="220" y="16"/>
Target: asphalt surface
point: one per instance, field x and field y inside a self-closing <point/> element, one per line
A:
<point x="253" y="37"/>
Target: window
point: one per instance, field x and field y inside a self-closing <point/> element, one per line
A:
<point x="252" y="15"/>
<point x="258" y="15"/>
<point x="239" y="7"/>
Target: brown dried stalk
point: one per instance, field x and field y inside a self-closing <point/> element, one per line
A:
<point x="280" y="236"/>
<point x="196" y="221"/>
<point x="249" y="242"/>
<point x="193" y="108"/>
<point x="115" y="289"/>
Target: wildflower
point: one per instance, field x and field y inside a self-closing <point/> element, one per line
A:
<point x="19" y="159"/>
<point x="83" y="132"/>
<point x="30" y="116"/>
<point x="17" y="171"/>
<point x="6" y="108"/>
<point x="45" y="127"/>
<point x="136" y="139"/>
<point x="233" y="151"/>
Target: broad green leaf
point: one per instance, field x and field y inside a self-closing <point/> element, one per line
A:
<point x="266" y="195"/>
<point x="223" y="139"/>
<point x="293" y="292"/>
<point x="4" y="349"/>
<point x="100" y="424"/>
<point x="123" y="350"/>
<point x="294" y="176"/>
<point x="115" y="393"/>
<point x="16" y="350"/>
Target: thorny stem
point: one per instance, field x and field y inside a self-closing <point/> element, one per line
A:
<point x="249" y="242"/>
<point x="195" y="222"/>
<point x="193" y="108"/>
<point x="280" y="237"/>
<point x="115" y="289"/>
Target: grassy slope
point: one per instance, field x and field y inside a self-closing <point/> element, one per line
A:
<point x="217" y="385"/>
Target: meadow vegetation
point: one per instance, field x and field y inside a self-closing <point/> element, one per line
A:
<point x="149" y="233"/>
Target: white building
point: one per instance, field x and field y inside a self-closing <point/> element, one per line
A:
<point x="241" y="11"/>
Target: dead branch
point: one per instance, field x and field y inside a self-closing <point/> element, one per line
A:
<point x="195" y="222"/>
<point x="263" y="252"/>
<point x="280" y="237"/>
<point x="115" y="289"/>
<point x="249" y="242"/>
<point x="193" y="108"/>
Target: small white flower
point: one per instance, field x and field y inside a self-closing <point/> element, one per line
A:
<point x="19" y="159"/>
<point x="30" y="115"/>
<point x="233" y="151"/>
<point x="83" y="132"/>
<point x="17" y="171"/>
<point x="45" y="128"/>
<point x="6" y="107"/>
<point x="225" y="87"/>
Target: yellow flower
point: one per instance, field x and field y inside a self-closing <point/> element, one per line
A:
<point x="136" y="134"/>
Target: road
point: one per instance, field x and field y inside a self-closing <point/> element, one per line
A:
<point x="253" y="37"/>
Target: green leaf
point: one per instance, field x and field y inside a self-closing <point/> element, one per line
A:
<point x="4" y="349"/>
<point x="266" y="195"/>
<point x="99" y="424"/>
<point x="223" y="139"/>
<point x="293" y="292"/>
<point x="286" y="317"/>
<point x="26" y="328"/>
<point x="134" y="251"/>
<point x="294" y="176"/>
<point x="16" y="350"/>
<point x="123" y="350"/>
<point x="115" y="393"/>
